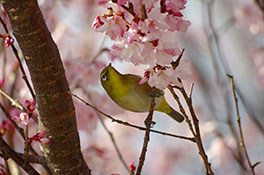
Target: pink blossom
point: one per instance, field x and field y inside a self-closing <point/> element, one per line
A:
<point x="149" y="41"/>
<point x="98" y="22"/>
<point x="116" y="27"/>
<point x="31" y="106"/>
<point x="16" y="118"/>
<point x="174" y="7"/>
<point x="39" y="137"/>
<point x="145" y="78"/>
<point x="177" y="23"/>
<point x="2" y="81"/>
<point x="44" y="140"/>
<point x="132" y="167"/>
<point x="5" y="125"/>
<point x="9" y="41"/>
<point x="24" y="118"/>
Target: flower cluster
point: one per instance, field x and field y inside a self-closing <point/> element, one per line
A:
<point x="143" y="32"/>
<point x="24" y="117"/>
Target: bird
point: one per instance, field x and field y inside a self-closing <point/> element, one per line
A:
<point x="125" y="91"/>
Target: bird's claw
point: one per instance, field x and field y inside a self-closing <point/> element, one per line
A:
<point x="149" y="124"/>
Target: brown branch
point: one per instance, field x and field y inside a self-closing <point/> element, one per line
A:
<point x="148" y="123"/>
<point x="195" y="124"/>
<point x="242" y="142"/>
<point x="34" y="158"/>
<point x="56" y="110"/>
<point x="8" y="152"/>
<point x="24" y="76"/>
<point x="131" y="125"/>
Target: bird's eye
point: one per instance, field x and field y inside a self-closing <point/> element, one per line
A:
<point x="104" y="77"/>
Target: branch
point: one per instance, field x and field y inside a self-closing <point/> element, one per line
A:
<point x="148" y="123"/>
<point x="34" y="158"/>
<point x="8" y="152"/>
<point x="13" y="102"/>
<point x="240" y="128"/>
<point x="131" y="125"/>
<point x="195" y="123"/>
<point x="56" y="110"/>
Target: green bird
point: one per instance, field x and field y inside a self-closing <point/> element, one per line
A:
<point x="124" y="90"/>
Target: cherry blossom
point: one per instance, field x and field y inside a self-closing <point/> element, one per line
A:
<point x="39" y="137"/>
<point x="9" y="41"/>
<point x="31" y="106"/>
<point x="23" y="118"/>
<point x="142" y="34"/>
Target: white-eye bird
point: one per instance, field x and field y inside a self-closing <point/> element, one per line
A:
<point x="124" y="90"/>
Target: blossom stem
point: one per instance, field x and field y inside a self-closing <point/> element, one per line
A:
<point x="26" y="149"/>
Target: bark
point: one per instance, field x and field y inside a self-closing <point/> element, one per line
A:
<point x="55" y="105"/>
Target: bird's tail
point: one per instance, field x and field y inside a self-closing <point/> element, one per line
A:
<point x="176" y="115"/>
<point x="164" y="107"/>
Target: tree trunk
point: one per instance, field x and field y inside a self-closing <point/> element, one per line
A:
<point x="55" y="105"/>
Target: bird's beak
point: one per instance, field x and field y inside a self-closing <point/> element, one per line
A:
<point x="109" y="65"/>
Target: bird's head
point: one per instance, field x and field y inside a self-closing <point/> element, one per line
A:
<point x="108" y="76"/>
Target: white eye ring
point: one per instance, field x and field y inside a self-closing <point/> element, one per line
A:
<point x="104" y="77"/>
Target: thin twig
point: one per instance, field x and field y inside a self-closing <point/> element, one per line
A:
<point x="195" y="123"/>
<point x="111" y="137"/>
<point x="26" y="149"/>
<point x="131" y="125"/>
<point x="148" y="123"/>
<point x="240" y="127"/>
<point x="24" y="76"/>
<point x="13" y="102"/>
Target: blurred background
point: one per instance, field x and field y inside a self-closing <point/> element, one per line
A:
<point x="225" y="37"/>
